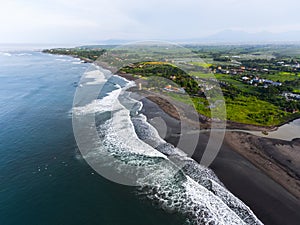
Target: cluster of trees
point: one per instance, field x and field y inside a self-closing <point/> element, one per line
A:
<point x="85" y="53"/>
<point x="272" y="94"/>
<point x="170" y="72"/>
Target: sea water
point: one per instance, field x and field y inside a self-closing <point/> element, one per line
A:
<point x="44" y="178"/>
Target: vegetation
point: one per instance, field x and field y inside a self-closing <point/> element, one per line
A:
<point x="260" y="84"/>
<point x="86" y="54"/>
<point x="164" y="70"/>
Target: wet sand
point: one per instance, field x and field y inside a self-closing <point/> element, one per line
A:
<point x="270" y="201"/>
<point x="279" y="159"/>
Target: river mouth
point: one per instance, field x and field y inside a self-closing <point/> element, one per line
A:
<point x="286" y="132"/>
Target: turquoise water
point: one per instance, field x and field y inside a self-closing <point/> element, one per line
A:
<point x="43" y="178"/>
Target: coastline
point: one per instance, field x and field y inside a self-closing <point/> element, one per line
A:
<point x="205" y="124"/>
<point x="273" y="156"/>
<point x="270" y="201"/>
<point x="204" y="121"/>
<point x="234" y="160"/>
<point x="259" y="151"/>
<point x="85" y="60"/>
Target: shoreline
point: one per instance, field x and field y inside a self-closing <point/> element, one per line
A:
<point x="85" y="60"/>
<point x="259" y="178"/>
<point x="260" y="151"/>
<point x="244" y="174"/>
<point x="269" y="200"/>
<point x="259" y="156"/>
<point x="268" y="216"/>
<point x="206" y="122"/>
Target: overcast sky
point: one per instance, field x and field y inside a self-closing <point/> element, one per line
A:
<point x="90" y="21"/>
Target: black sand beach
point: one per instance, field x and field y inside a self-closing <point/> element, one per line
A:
<point x="272" y="203"/>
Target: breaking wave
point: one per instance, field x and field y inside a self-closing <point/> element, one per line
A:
<point x="164" y="174"/>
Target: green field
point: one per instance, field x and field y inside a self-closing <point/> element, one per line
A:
<point x="201" y="64"/>
<point x="251" y="110"/>
<point x="247" y="103"/>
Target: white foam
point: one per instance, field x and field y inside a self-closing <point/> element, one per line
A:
<point x="235" y="204"/>
<point x="129" y="84"/>
<point x="206" y="177"/>
<point x="201" y="204"/>
<point x="200" y="180"/>
<point x="121" y="131"/>
<point x="216" y="209"/>
<point x="23" y="54"/>
<point x="61" y="60"/>
<point x="99" y="105"/>
<point x="121" y="134"/>
<point x="150" y="135"/>
<point x="141" y="106"/>
<point x="182" y="194"/>
<point x="97" y="75"/>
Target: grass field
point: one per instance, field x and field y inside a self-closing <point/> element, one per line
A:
<point x="245" y="107"/>
<point x="247" y="110"/>
<point x="202" y="75"/>
<point x="251" y="110"/>
<point x="245" y="103"/>
<point x="281" y="76"/>
<point x="202" y="64"/>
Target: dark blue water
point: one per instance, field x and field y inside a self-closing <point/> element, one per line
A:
<point x="43" y="179"/>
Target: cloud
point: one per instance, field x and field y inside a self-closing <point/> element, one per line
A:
<point x="91" y="20"/>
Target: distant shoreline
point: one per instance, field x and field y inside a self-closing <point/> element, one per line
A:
<point x="205" y="121"/>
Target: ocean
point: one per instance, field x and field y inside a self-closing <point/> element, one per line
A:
<point x="46" y="179"/>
